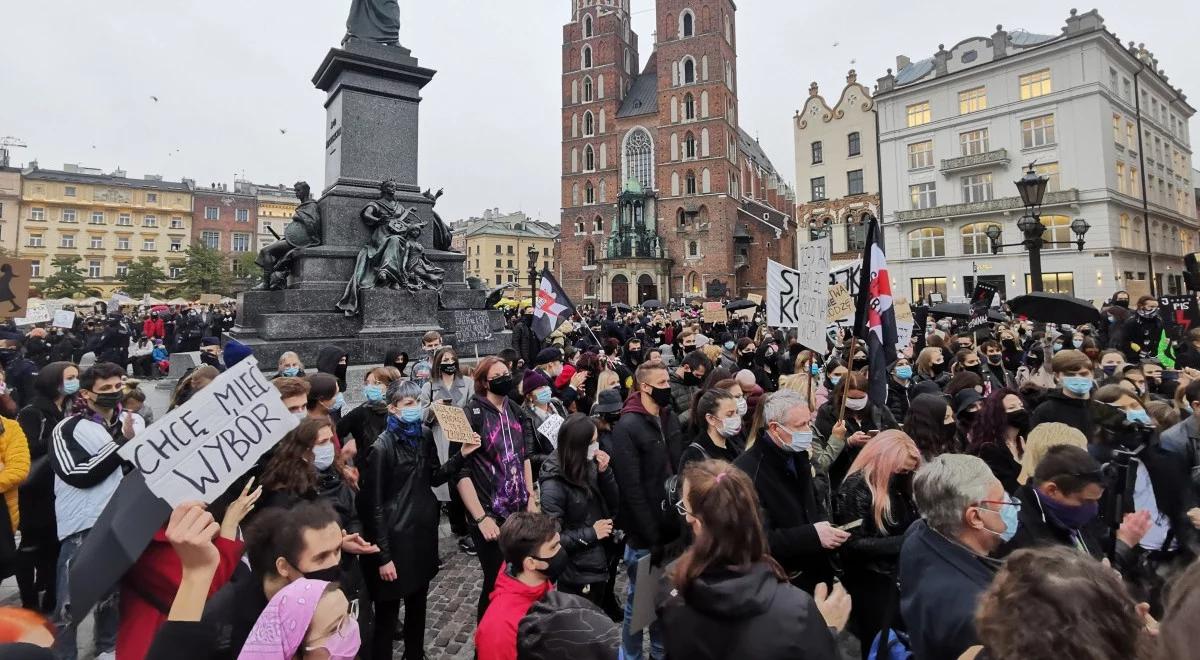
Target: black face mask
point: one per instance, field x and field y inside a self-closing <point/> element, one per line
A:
<point x="634" y="355"/>
<point x="967" y="416"/>
<point x="331" y="574"/>
<point x="746" y="359"/>
<point x="108" y="400"/>
<point x="555" y="565"/>
<point x="688" y="349"/>
<point x="974" y="368"/>
<point x="661" y="396"/>
<point x="1019" y="420"/>
<point x="450" y="369"/>
<point x="994" y="359"/>
<point x="1121" y="303"/>
<point x="501" y="385"/>
<point x="690" y="379"/>
<point x="937" y="368"/>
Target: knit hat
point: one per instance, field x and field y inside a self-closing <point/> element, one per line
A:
<point x="533" y="379"/>
<point x="236" y="351"/>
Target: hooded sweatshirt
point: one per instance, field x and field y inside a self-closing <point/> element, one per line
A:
<point x="329" y="362"/>
<point x="496" y="636"/>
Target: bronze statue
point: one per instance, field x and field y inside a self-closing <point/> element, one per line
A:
<point x="395" y="257"/>
<point x="376" y="21"/>
<point x="304" y="231"/>
<point x="441" y="232"/>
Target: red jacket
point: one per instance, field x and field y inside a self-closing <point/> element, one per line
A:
<point x="496" y="635"/>
<point x="154" y="329"/>
<point x="156" y="575"/>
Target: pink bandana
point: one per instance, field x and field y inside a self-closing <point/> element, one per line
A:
<point x="280" y="629"/>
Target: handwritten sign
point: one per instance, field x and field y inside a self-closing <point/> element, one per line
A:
<point x="754" y="298"/>
<point x="714" y="312"/>
<point x="1136" y="289"/>
<point x="550" y="427"/>
<point x="841" y="305"/>
<point x="904" y="331"/>
<point x="198" y="450"/>
<point x="471" y="326"/>
<point x="64" y="318"/>
<point x="14" y="287"/>
<point x="676" y="316"/>
<point x="454" y="422"/>
<point x="902" y="309"/>
<point x="796" y="297"/>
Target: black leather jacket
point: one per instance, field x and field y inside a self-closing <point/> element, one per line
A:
<point x="577" y="507"/>
<point x="871" y="548"/>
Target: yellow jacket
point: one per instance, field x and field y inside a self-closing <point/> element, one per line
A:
<point x="14" y="465"/>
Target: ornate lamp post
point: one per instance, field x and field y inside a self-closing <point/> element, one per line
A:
<point x="533" y="275"/>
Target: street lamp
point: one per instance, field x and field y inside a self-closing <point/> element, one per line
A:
<point x="533" y="275"/>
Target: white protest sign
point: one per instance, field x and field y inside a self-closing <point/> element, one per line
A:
<point x="64" y="318"/>
<point x="904" y="330"/>
<point x="550" y="427"/>
<point x="37" y="313"/>
<point x="198" y="450"/>
<point x="799" y="298"/>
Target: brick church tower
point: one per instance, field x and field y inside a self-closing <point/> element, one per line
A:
<point x="663" y="195"/>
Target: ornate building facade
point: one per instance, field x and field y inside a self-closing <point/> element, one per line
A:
<point x="664" y="195"/>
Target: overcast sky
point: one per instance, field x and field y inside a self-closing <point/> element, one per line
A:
<point x="229" y="74"/>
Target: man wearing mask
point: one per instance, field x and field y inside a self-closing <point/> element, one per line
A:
<point x="646" y="443"/>
<point x="524" y="341"/>
<point x="798" y="532"/>
<point x="685" y="381"/>
<point x="1069" y="405"/>
<point x="945" y="561"/>
<point x="687" y="344"/>
<point x="534" y="558"/>
<point x="19" y="370"/>
<point x="87" y="471"/>
<point x="995" y="374"/>
<point x="1141" y="334"/>
<point x="549" y="363"/>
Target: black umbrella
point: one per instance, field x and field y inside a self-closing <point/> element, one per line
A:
<point x="652" y="304"/>
<point x="622" y="307"/>
<point x="1054" y="308"/>
<point x="735" y="305"/>
<point x="963" y="311"/>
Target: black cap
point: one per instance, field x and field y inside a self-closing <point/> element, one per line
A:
<point x="548" y="355"/>
<point x="210" y="341"/>
<point x="964" y="399"/>
<point x="608" y="401"/>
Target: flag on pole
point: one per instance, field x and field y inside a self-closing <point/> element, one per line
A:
<point x="875" y="319"/>
<point x="552" y="307"/>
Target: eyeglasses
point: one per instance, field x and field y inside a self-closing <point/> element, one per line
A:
<point x="1011" y="501"/>
<point x="682" y="508"/>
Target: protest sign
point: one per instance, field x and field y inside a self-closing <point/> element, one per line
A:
<point x="745" y="314"/>
<point x="904" y="330"/>
<point x="198" y="450"/>
<point x="14" y="287"/>
<point x="454" y="422"/>
<point x="754" y="298"/>
<point x="796" y="297"/>
<point x="1136" y="289"/>
<point x="209" y="298"/>
<point x="64" y="318"/>
<point x="714" y="312"/>
<point x="676" y="316"/>
<point x="902" y="309"/>
<point x="37" y="313"/>
<point x="471" y="326"/>
<point x="841" y="305"/>
<point x="1179" y="314"/>
<point x="550" y="427"/>
<point x="848" y="276"/>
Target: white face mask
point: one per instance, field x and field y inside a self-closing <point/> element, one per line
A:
<point x="592" y="449"/>
<point x="856" y="404"/>
<point x="742" y="406"/>
<point x="323" y="456"/>
<point x="300" y="415"/>
<point x="730" y="426"/>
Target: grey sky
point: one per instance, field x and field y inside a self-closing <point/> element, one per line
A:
<point x="78" y="76"/>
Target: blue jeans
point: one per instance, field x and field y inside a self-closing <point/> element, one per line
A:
<point x="107" y="613"/>
<point x="631" y="640"/>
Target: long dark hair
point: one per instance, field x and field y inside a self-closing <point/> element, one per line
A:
<point x="926" y="425"/>
<point x="291" y="467"/>
<point x="991" y="423"/>
<point x="573" y="440"/>
<point x="706" y="404"/>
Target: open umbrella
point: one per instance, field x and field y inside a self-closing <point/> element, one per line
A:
<point x="963" y="311"/>
<point x="652" y="304"/>
<point x="735" y="305"/>
<point x="622" y="307"/>
<point x="1054" y="308"/>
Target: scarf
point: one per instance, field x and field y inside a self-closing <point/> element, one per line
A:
<point x="281" y="627"/>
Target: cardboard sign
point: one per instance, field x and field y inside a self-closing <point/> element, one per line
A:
<point x="37" y="313"/>
<point x="14" y="287"/>
<point x="841" y="305"/>
<point x="454" y="422"/>
<point x="714" y="312"/>
<point x="1136" y="289"/>
<point x="904" y="330"/>
<point x="471" y="326"/>
<point x="754" y="298"/>
<point x="550" y="427"/>
<point x="902" y="309"/>
<point x="676" y="316"/>
<point x="64" y="318"/>
<point x="198" y="450"/>
<point x="209" y="298"/>
<point x="745" y="314"/>
<point x="796" y="297"/>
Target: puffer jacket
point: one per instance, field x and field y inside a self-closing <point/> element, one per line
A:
<point x="14" y="466"/>
<point x="577" y="507"/>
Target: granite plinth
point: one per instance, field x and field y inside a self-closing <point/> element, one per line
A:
<point x="460" y="298"/>
<point x="362" y="349"/>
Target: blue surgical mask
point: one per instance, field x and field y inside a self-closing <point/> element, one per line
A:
<point x="729" y="345"/>
<point x="70" y="387"/>
<point x="1010" y="516"/>
<point x="544" y="395"/>
<point x="323" y="456"/>
<point x="814" y="369"/>
<point x="338" y="401"/>
<point x="373" y="393"/>
<point x="291" y="372"/>
<point x="1138" y="417"/>
<point x="410" y="415"/>
<point x="1058" y="346"/>
<point x="1077" y="385"/>
<point x="799" y="441"/>
<point x="834" y="380"/>
<point x="904" y="372"/>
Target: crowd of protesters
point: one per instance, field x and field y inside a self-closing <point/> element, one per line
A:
<point x="1024" y="491"/>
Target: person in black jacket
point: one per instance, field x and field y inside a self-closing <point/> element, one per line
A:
<point x="367" y="421"/>
<point x="400" y="515"/>
<point x="333" y="360"/>
<point x="1140" y="335"/>
<point x="796" y="523"/>
<point x="646" y="446"/>
<point x="305" y="466"/>
<point x="1069" y="405"/>
<point x="54" y="390"/>
<point x="997" y="435"/>
<point x="524" y="340"/>
<point x="899" y="387"/>
<point x="726" y="597"/>
<point x="837" y="443"/>
<point x="579" y="490"/>
<point x="877" y="493"/>
<point x="19" y="371"/>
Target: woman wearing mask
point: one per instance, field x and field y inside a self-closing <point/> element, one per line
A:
<point x="366" y="422"/>
<point x="878" y="492"/>
<point x="720" y="435"/>
<point x="54" y="390"/>
<point x="306" y="619"/>
<point x="899" y="387"/>
<point x="727" y="597"/>
<point x="835" y="371"/>
<point x="325" y="398"/>
<point x="497" y="479"/>
<point x="289" y="366"/>
<point x="447" y="385"/>
<point x="804" y="380"/>
<point x="400" y="516"/>
<point x="766" y="366"/>
<point x="931" y="366"/>
<point x="306" y="466"/>
<point x="580" y="491"/>
<point x="1010" y="349"/>
<point x="1140" y="335"/>
<point x="333" y="360"/>
<point x="540" y="406"/>
<point x="396" y="358"/>
<point x="836" y="443"/>
<point x="930" y="423"/>
<point x="998" y="436"/>
<point x="745" y="353"/>
<point x="1112" y="364"/>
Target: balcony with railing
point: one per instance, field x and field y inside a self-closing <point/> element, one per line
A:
<point x="985" y="159"/>
<point x="1056" y="198"/>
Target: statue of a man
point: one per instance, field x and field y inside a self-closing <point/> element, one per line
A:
<point x="303" y="231"/>
<point x="377" y="21"/>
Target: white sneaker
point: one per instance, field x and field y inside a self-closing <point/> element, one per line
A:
<point x="107" y="655"/>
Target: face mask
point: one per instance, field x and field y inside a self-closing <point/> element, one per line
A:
<point x="410" y="415"/>
<point x="107" y="401"/>
<point x="661" y="396"/>
<point x="1109" y="369"/>
<point x="323" y="456"/>
<point x="904" y="372"/>
<point x="544" y="395"/>
<point x="1072" y="516"/>
<point x="634" y="355"/>
<point x="343" y="644"/>
<point x="555" y="565"/>
<point x="974" y="368"/>
<point x="742" y="406"/>
<point x="1018" y="419"/>
<point x="729" y="345"/>
<point x="1077" y="385"/>
<point x="688" y="349"/>
<point x="856" y="404"/>
<point x="690" y="379"/>
<point x="1008" y="515"/>
<point x="70" y="387"/>
<point x="993" y="359"/>
<point x="1058" y="346"/>
<point x="730" y="426"/>
<point x="746" y="359"/>
<point x="331" y="574"/>
<point x="501" y="385"/>
<point x="814" y="369"/>
<point x="937" y="367"/>
<point x="592" y="449"/>
<point x="1147" y="313"/>
<point x="1121" y="303"/>
<point x="800" y="441"/>
<point x="338" y="402"/>
<point x="449" y="369"/>
<point x="1138" y="417"/>
<point x="373" y="393"/>
<point x="291" y="372"/>
<point x="300" y="415"/>
<point x="834" y="380"/>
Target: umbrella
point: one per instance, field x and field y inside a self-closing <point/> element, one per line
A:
<point x="622" y="307"/>
<point x="652" y="304"/>
<point x="1054" y="308"/>
<point x="735" y="305"/>
<point x="178" y="301"/>
<point x="963" y="311"/>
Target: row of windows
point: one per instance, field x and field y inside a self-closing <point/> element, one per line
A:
<point x="1164" y="238"/>
<point x="934" y="289"/>
<point x="72" y="191"/>
<point x="97" y="242"/>
<point x="974" y="187"/>
<point x="1035" y="132"/>
<point x="1031" y="85"/>
<point x="239" y="242"/>
<point x="854" y="185"/>
<point x="1158" y="111"/>
<point x="95" y="269"/>
<point x="214" y="213"/>
<point x="930" y="242"/>
<point x="853" y="148"/>
<point x="38" y="214"/>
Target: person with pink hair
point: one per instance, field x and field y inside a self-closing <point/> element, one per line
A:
<point x="876" y="497"/>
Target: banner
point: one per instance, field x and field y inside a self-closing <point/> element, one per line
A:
<point x="799" y="298"/>
<point x="874" y="317"/>
<point x="551" y="308"/>
<point x="198" y="450"/>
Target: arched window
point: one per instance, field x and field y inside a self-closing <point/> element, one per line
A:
<point x="589" y="194"/>
<point x="675" y="184"/>
<point x="598" y="224"/>
<point x="589" y="284"/>
<point x="689" y="106"/>
<point x="687" y="24"/>
<point x="639" y="158"/>
<point x="628" y="62"/>
<point x="674" y="109"/>
<point x="693" y="249"/>
<point x="705" y="181"/>
<point x="704" y="67"/>
<point x="587" y="26"/>
<point x="600" y="86"/>
<point x="574" y="125"/>
<point x="587" y="89"/>
<point x="704" y="143"/>
<point x="574" y="91"/>
<point x="575" y="202"/>
<point x="589" y="124"/>
<point x="604" y="156"/>
<point x="574" y="159"/>
<point x="1058" y="228"/>
<point x="927" y="242"/>
<point x="691" y="182"/>
<point x="680" y="218"/>
<point x="1126" y="237"/>
<point x="674" y="146"/>
<point x="587" y="57"/>
<point x="603" y="191"/>
<point x="704" y="104"/>
<point x="729" y="74"/>
<point x="692" y="283"/>
<point x="728" y="30"/>
<point x="702" y="215"/>
<point x="579" y="221"/>
<point x="689" y="71"/>
<point x="589" y="159"/>
<point x="975" y="240"/>
<point x="689" y="146"/>
<point x="601" y="127"/>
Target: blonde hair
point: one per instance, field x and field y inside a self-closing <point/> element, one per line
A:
<point x="925" y="359"/>
<point x="712" y="351"/>
<point x="606" y="380"/>
<point x="1041" y="439"/>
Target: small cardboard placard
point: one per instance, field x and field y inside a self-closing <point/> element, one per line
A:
<point x="14" y="287"/>
<point x="714" y="312"/>
<point x="64" y="318"/>
<point x="754" y="298"/>
<point x="841" y="305"/>
<point x="1136" y="289"/>
<point x="454" y="423"/>
<point x="550" y="427"/>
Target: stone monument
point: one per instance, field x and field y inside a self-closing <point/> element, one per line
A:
<point x="378" y="272"/>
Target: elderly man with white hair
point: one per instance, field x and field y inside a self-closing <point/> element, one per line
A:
<point x="944" y="562"/>
<point x="798" y="532"/>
